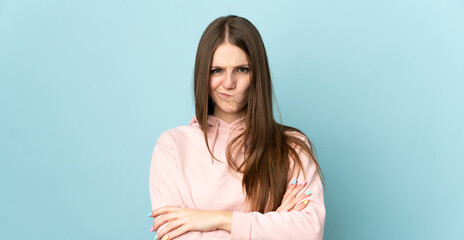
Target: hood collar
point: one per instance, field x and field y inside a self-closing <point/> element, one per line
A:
<point x="215" y="123"/>
<point x="238" y="124"/>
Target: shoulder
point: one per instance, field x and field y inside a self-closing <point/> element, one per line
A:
<point x="300" y="142"/>
<point x="304" y="153"/>
<point x="174" y="136"/>
<point x="296" y="134"/>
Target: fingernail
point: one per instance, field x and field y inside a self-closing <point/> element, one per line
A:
<point x="165" y="237"/>
<point x="149" y="215"/>
<point x="305" y="202"/>
<point x="303" y="183"/>
<point x="294" y="181"/>
<point x="156" y="236"/>
<point x="307" y="193"/>
<point x="151" y="229"/>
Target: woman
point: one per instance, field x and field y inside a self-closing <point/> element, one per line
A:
<point x="234" y="173"/>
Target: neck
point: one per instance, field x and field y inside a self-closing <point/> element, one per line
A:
<point x="228" y="117"/>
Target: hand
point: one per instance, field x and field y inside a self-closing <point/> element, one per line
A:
<point x="290" y="200"/>
<point x="171" y="222"/>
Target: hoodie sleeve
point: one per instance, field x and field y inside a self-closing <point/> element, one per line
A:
<point x="163" y="187"/>
<point x="305" y="224"/>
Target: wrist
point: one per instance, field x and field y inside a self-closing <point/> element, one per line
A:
<point x="224" y="220"/>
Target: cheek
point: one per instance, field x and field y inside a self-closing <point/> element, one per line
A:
<point x="245" y="86"/>
<point x="244" y="92"/>
<point x="245" y="96"/>
<point x="214" y="82"/>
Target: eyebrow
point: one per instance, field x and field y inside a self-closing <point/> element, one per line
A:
<point x="238" y="66"/>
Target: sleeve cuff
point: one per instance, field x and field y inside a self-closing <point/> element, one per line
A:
<point x="241" y="226"/>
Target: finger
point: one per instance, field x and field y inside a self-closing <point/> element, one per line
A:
<point x="300" y="198"/>
<point x="293" y="198"/>
<point x="301" y="205"/>
<point x="293" y="192"/>
<point x="283" y="208"/>
<point x="177" y="232"/>
<point x="290" y="198"/>
<point x="292" y="185"/>
<point x="164" y="210"/>
<point x="150" y="214"/>
<point x="163" y="219"/>
<point x="287" y="205"/>
<point x="298" y="188"/>
<point x="166" y="232"/>
<point x="287" y="196"/>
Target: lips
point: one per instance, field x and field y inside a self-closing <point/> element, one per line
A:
<point x="225" y="95"/>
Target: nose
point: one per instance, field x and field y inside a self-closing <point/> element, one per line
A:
<point x="229" y="81"/>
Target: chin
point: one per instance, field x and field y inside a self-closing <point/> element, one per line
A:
<point x="228" y="110"/>
<point x="231" y="111"/>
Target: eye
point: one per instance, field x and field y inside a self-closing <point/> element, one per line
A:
<point x="216" y="70"/>
<point x="243" y="69"/>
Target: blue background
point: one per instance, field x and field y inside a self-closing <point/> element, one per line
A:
<point x="87" y="87"/>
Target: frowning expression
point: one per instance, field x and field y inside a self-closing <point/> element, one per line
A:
<point x="229" y="81"/>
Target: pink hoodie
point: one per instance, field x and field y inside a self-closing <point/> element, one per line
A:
<point x="182" y="173"/>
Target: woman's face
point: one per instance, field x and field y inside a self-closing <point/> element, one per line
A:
<point x="229" y="82"/>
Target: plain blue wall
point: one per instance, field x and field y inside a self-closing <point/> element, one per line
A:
<point x="87" y="87"/>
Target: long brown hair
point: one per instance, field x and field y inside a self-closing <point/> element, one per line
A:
<point x="269" y="146"/>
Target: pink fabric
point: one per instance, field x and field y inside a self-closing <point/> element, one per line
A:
<point x="182" y="173"/>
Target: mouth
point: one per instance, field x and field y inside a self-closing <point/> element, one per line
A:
<point x="225" y="95"/>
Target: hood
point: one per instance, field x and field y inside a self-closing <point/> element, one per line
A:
<point x="214" y="123"/>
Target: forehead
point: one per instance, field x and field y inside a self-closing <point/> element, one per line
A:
<point x="227" y="54"/>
